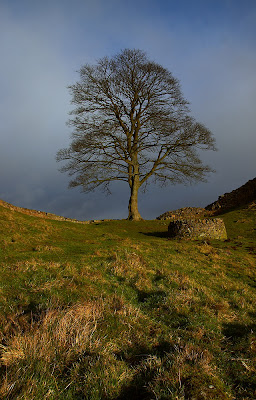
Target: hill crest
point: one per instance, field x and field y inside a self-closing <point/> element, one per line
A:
<point x="241" y="196"/>
<point x="41" y="214"/>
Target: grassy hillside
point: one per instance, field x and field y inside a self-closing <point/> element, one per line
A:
<point x="116" y="310"/>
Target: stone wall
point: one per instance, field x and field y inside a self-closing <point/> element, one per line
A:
<point x="238" y="197"/>
<point x="45" y="215"/>
<point x="198" y="229"/>
<point x="186" y="213"/>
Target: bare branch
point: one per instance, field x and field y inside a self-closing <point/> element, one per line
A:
<point x="131" y="123"/>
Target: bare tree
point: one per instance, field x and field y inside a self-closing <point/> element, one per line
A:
<point x="132" y="124"/>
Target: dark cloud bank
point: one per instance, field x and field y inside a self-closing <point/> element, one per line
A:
<point x="212" y="53"/>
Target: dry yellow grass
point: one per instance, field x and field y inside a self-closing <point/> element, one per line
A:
<point x="58" y="331"/>
<point x="62" y="337"/>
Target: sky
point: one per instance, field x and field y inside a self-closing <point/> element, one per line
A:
<point x="209" y="45"/>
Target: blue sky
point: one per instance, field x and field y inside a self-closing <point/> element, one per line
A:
<point x="210" y="46"/>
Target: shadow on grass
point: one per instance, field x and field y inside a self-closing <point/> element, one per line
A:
<point x="239" y="339"/>
<point x="154" y="298"/>
<point x="157" y="234"/>
<point x="138" y="389"/>
<point x="252" y="314"/>
<point x="235" y="331"/>
<point x="22" y="320"/>
<point x="156" y="303"/>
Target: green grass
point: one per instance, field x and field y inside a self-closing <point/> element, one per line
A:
<point x="116" y="310"/>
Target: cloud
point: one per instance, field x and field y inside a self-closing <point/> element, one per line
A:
<point x="228" y="94"/>
<point x="210" y="49"/>
<point x="34" y="103"/>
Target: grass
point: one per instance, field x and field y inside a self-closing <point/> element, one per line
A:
<point x="116" y="310"/>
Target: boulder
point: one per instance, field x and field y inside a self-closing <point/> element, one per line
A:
<point x="198" y="229"/>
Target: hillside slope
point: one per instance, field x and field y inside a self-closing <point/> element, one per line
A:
<point x="243" y="195"/>
<point x="39" y="214"/>
<point x="116" y="310"/>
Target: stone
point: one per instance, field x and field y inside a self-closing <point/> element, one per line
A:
<point x="198" y="229"/>
<point x="237" y="198"/>
<point x="186" y="213"/>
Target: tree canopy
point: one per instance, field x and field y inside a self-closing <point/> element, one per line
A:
<point x="131" y="123"/>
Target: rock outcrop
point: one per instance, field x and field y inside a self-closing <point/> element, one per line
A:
<point x="198" y="229"/>
<point x="237" y="198"/>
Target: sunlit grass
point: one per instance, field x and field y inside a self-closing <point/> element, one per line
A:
<point x="116" y="310"/>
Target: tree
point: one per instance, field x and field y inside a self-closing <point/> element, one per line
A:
<point x="131" y="123"/>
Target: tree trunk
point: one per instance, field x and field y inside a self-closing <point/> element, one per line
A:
<point x="134" y="214"/>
